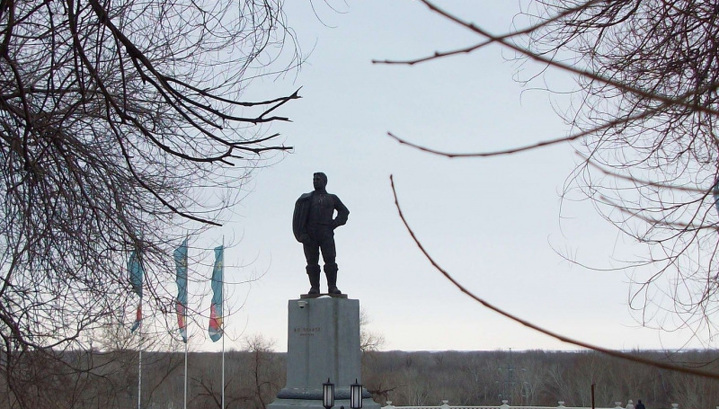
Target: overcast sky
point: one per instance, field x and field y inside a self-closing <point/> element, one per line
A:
<point x="497" y="224"/>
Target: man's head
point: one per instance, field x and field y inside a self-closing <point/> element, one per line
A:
<point x="319" y="180"/>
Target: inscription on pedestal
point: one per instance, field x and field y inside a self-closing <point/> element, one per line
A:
<point x="306" y="331"/>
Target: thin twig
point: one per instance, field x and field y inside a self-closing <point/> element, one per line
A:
<point x="610" y="352"/>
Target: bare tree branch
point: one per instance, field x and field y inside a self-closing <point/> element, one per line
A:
<point x="559" y="337"/>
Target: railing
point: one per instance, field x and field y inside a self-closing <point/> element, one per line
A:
<point x="505" y="405"/>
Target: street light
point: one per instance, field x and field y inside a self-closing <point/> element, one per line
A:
<point x="356" y="395"/>
<point x="328" y="394"/>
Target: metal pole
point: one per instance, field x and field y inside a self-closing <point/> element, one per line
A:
<point x="223" y="366"/>
<point x="223" y="322"/>
<point x="184" y="320"/>
<point x="139" y="367"/>
<point x="185" y="397"/>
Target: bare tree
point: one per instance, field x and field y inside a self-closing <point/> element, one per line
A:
<point x="541" y="378"/>
<point x="649" y="101"/>
<point x="119" y="123"/>
<point x="253" y="377"/>
<point x="265" y="376"/>
<point x="643" y="123"/>
<point x="369" y="340"/>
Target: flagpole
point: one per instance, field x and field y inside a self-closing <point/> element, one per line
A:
<point x="223" y="367"/>
<point x="185" y="399"/>
<point x="216" y="328"/>
<point x="137" y="272"/>
<point x="184" y="313"/>
<point x="223" y="322"/>
<point x="139" y="367"/>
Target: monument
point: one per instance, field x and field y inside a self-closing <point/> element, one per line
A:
<point x="313" y="224"/>
<point x="323" y="333"/>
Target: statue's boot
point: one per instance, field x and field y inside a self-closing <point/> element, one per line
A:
<point x="313" y="272"/>
<point x="331" y="273"/>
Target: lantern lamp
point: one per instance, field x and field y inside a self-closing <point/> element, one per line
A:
<point x="356" y="395"/>
<point x="328" y="394"/>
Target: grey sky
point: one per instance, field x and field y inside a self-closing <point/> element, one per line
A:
<point x="493" y="223"/>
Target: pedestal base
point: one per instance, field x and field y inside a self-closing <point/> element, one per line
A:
<point x="301" y="399"/>
<point x="323" y="343"/>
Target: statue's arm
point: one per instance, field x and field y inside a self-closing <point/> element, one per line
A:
<point x="342" y="213"/>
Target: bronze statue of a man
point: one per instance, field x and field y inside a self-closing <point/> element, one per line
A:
<point x="313" y="224"/>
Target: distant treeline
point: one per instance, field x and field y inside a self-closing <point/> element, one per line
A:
<point x="253" y="378"/>
<point x="539" y="378"/>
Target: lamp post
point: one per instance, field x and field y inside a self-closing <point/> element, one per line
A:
<point x="328" y="394"/>
<point x="356" y="395"/>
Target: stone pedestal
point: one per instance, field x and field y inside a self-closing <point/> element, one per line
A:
<point x="322" y="342"/>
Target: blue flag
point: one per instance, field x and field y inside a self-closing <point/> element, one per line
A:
<point x="181" y="280"/>
<point x="715" y="193"/>
<point x="215" y="329"/>
<point x="134" y="267"/>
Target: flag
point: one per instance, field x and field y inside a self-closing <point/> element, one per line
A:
<point x="215" y="328"/>
<point x="181" y="280"/>
<point x="715" y="193"/>
<point x="138" y="318"/>
<point x="134" y="267"/>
